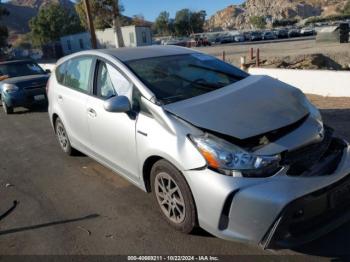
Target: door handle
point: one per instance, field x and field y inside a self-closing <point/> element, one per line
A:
<point x="60" y="97"/>
<point x="91" y="112"/>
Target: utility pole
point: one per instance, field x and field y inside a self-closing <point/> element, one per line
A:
<point x="90" y="24"/>
<point x="119" y="41"/>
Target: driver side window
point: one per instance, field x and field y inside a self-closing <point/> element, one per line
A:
<point x="110" y="82"/>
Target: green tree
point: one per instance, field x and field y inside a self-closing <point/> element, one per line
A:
<point x="258" y="22"/>
<point x="102" y="13"/>
<point x="51" y="23"/>
<point x="188" y="22"/>
<point x="3" y="31"/>
<point x="182" y="22"/>
<point x="162" y="23"/>
<point x="197" y="20"/>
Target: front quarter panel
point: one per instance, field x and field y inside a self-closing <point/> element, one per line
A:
<point x="154" y="139"/>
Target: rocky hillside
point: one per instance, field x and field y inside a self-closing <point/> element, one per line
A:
<point x="238" y="16"/>
<point x="21" y="11"/>
<point x="37" y="4"/>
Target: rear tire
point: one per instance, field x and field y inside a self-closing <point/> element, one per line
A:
<point x="173" y="196"/>
<point x="62" y="137"/>
<point x="7" y="109"/>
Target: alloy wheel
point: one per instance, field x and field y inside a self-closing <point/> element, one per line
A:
<point x="170" y="198"/>
<point x="62" y="136"/>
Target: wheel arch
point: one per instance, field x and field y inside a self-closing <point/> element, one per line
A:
<point x="54" y="118"/>
<point x="146" y="171"/>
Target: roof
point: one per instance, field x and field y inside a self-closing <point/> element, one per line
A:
<point x="135" y="53"/>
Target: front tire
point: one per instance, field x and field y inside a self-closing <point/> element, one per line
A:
<point x="173" y="196"/>
<point x="62" y="137"/>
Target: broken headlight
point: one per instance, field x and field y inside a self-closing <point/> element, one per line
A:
<point x="229" y="159"/>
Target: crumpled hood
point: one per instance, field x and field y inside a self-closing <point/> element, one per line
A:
<point x="250" y="107"/>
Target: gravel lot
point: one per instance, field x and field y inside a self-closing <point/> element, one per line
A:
<point x="72" y="205"/>
<point x="338" y="52"/>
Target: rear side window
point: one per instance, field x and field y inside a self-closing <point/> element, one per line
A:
<point x="78" y="73"/>
<point x="60" y="71"/>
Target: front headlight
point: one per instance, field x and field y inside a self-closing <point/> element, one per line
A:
<point x="232" y="160"/>
<point x="10" y="88"/>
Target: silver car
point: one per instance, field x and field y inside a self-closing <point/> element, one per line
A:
<point x="246" y="158"/>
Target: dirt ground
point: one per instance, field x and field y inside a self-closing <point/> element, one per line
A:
<point x="340" y="53"/>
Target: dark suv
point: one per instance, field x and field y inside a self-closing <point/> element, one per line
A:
<point x="22" y="84"/>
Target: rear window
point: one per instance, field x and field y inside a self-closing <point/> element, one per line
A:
<point x="78" y="73"/>
<point x="75" y="73"/>
<point x="179" y="77"/>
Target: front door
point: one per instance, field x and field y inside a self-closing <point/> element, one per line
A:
<point x="112" y="134"/>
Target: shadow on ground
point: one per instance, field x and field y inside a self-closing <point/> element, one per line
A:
<point x="21" y="229"/>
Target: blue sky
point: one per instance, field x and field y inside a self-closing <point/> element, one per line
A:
<point x="151" y="8"/>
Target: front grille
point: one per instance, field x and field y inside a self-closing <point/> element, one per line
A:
<point x="320" y="158"/>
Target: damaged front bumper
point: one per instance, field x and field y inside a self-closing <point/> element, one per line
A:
<point x="275" y="212"/>
<point x="311" y="216"/>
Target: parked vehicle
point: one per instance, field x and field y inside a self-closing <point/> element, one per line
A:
<point x="247" y="36"/>
<point x="239" y="38"/>
<point x="226" y="39"/>
<point x="202" y="41"/>
<point x="293" y="33"/>
<point x="23" y="84"/>
<point x="307" y="31"/>
<point x="282" y="33"/>
<point x="245" y="157"/>
<point x="268" y="35"/>
<point x="256" y="36"/>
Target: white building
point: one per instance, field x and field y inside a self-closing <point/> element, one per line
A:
<point x="133" y="36"/>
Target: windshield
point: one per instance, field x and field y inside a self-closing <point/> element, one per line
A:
<point x="179" y="77"/>
<point x="16" y="69"/>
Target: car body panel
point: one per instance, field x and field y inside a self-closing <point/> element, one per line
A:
<point x="114" y="143"/>
<point x="161" y="134"/>
<point x="309" y="132"/>
<point x="73" y="112"/>
<point x="268" y="104"/>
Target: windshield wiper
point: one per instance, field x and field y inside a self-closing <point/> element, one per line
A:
<point x="203" y="84"/>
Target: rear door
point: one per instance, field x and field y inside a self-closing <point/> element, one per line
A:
<point x="72" y="96"/>
<point x="113" y="134"/>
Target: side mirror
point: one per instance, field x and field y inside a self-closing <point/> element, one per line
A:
<point x="117" y="104"/>
<point x="47" y="71"/>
